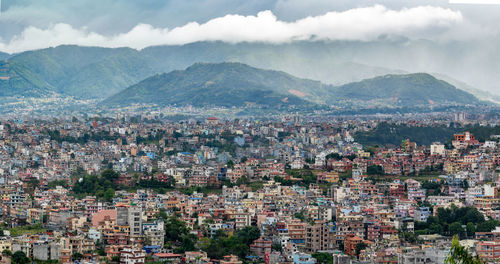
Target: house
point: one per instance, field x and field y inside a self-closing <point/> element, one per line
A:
<point x="260" y="247"/>
<point x="231" y="259"/>
<point x="301" y="258"/>
<point x="129" y="255"/>
<point x="350" y="244"/>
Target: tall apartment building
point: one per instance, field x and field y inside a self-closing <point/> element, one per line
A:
<point x="319" y="237"/>
<point x="135" y="221"/>
<point x="488" y="251"/>
<point x="130" y="216"/>
<point x="297" y="232"/>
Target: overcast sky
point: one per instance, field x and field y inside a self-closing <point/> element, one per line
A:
<point x="34" y="24"/>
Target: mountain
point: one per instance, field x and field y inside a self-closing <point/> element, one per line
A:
<point x="17" y="80"/>
<point x="4" y="56"/>
<point x="418" y="89"/>
<point x="480" y="94"/>
<point x="85" y="72"/>
<point x="236" y="84"/>
<point x="97" y="73"/>
<point x="221" y="84"/>
<point x="108" y="76"/>
<point x="329" y="62"/>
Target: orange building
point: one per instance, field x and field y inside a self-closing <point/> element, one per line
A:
<point x="489" y="250"/>
<point x="467" y="136"/>
<point x="350" y="243"/>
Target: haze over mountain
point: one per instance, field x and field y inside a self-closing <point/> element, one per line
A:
<point x="223" y="84"/>
<point x="404" y="90"/>
<point x="91" y="72"/>
<point x="480" y="94"/>
<point x="85" y="72"/>
<point x="236" y="84"/>
<point x="434" y="36"/>
<point x="4" y="56"/>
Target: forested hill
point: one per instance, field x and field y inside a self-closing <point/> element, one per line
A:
<point x="4" y="56"/>
<point x="97" y="73"/>
<point x="222" y="84"/>
<point x="405" y="90"/>
<point x="392" y="134"/>
<point x="237" y="84"/>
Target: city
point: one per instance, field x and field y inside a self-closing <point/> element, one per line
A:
<point x="281" y="191"/>
<point x="249" y="132"/>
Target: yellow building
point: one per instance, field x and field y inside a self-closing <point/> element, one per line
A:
<point x="5" y="244"/>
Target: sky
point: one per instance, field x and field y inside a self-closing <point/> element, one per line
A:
<point x="35" y="24"/>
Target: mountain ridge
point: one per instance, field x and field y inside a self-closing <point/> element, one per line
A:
<point x="97" y="73"/>
<point x="4" y="56"/>
<point x="223" y="84"/>
<point x="236" y="84"/>
<point x="407" y="89"/>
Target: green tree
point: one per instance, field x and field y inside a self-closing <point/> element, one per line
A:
<point x="487" y="226"/>
<point x="335" y="156"/>
<point x="187" y="243"/>
<point x="456" y="229"/>
<point x="471" y="229"/>
<point x="460" y="255"/>
<point x="374" y="170"/>
<point x="359" y="247"/>
<point x="20" y="257"/>
<point x="237" y="244"/>
<point x="436" y="228"/>
<point x="323" y="258"/>
<point x="277" y="247"/>
<point x="249" y="234"/>
<point x="110" y="175"/>
<point x="300" y="216"/>
<point x="109" y="194"/>
<point x="175" y="229"/>
<point x="242" y="180"/>
<point x="76" y="256"/>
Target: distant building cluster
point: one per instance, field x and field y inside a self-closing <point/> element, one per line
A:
<point x="286" y="190"/>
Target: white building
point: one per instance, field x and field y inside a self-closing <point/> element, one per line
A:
<point x="437" y="149"/>
<point x="129" y="255"/>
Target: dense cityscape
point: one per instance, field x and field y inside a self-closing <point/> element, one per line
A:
<point x="138" y="189"/>
<point x="249" y="132"/>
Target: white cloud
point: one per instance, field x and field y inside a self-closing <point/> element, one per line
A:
<point x="355" y="24"/>
<point x="476" y="2"/>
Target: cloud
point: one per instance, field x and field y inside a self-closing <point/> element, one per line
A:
<point x="476" y="2"/>
<point x="364" y="24"/>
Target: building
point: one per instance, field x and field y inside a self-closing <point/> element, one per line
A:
<point x="351" y="243"/>
<point x="167" y="257"/>
<point x="437" y="149"/>
<point x="135" y="221"/>
<point x="212" y="121"/>
<point x="297" y="232"/>
<point x="154" y="233"/>
<point x="301" y="258"/>
<point x="260" y="247"/>
<point x="422" y="214"/>
<point x="231" y="259"/>
<point x="46" y="251"/>
<point x="129" y="255"/>
<point x="319" y="237"/>
<point x="488" y="251"/>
